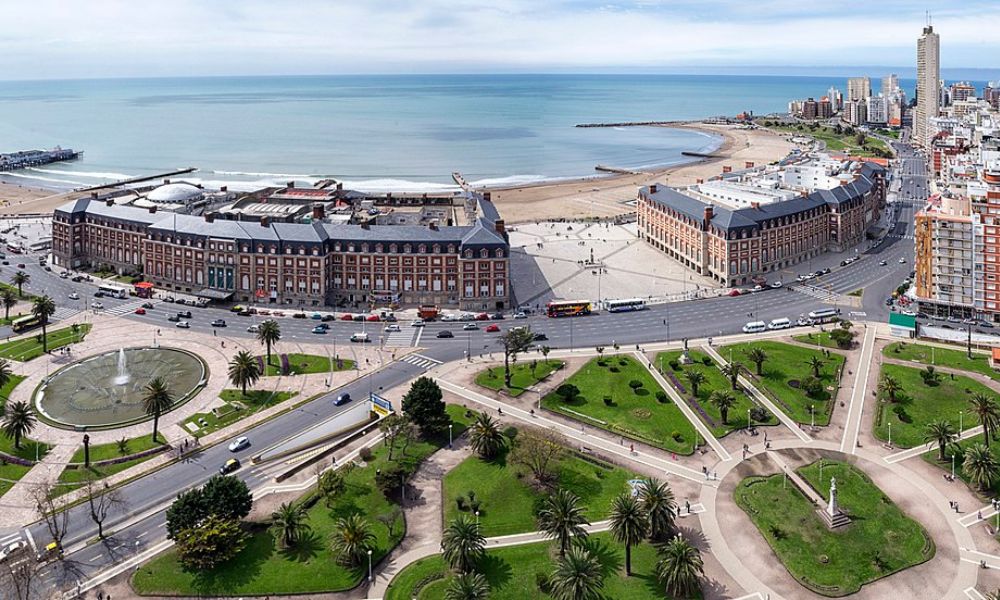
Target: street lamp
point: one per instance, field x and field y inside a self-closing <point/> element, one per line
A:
<point x="369" y="565"/>
<point x="749" y="424"/>
<point x="890" y="434"/>
<point x="953" y="465"/>
<point x="449" y="435"/>
<point x="477" y="521"/>
<point x="812" y="416"/>
<point x="961" y="414"/>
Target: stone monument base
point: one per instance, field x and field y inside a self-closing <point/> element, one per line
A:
<point x="833" y="522"/>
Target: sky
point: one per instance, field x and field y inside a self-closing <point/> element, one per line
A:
<point x="55" y="39"/>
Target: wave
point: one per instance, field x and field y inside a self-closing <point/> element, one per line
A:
<point x="41" y="178"/>
<point x="512" y="180"/>
<point x="94" y="174"/>
<point x="282" y="175"/>
<point x="398" y="185"/>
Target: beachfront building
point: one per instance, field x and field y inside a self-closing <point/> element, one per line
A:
<point x="292" y="263"/>
<point x="946" y="272"/>
<point x="738" y="231"/>
<point x="928" y="78"/>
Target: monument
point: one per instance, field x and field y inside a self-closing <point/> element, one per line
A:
<point x="833" y="516"/>
<point x="685" y="358"/>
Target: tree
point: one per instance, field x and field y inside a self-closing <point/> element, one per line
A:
<point x="942" y="433"/>
<point x="210" y="543"/>
<point x="467" y="586"/>
<point x="842" y="337"/>
<point x="330" y="484"/>
<point x="732" y="371"/>
<point x="392" y="427"/>
<point x="680" y="568"/>
<point x="42" y="308"/>
<point x="930" y="376"/>
<point x="102" y="500"/>
<point x="561" y="517"/>
<point x="289" y="522"/>
<point x="890" y="386"/>
<point x="462" y="544"/>
<point x="514" y="341"/>
<point x="815" y="363"/>
<point x="658" y="501"/>
<point x="227" y="496"/>
<point x="244" y="370"/>
<point x="21" y="279"/>
<point x="391" y="479"/>
<point x="725" y="400"/>
<point x="980" y="466"/>
<point x="185" y="512"/>
<point x="537" y="451"/>
<point x="156" y="400"/>
<point x="18" y="421"/>
<point x="579" y="575"/>
<point x="988" y="412"/>
<point x="545" y="352"/>
<point x="19" y="579"/>
<point x="352" y="538"/>
<point x="567" y="391"/>
<point x="9" y="299"/>
<point x="600" y="354"/>
<point x="56" y="520"/>
<point x="485" y="437"/>
<point x="424" y="404"/>
<point x="629" y="525"/>
<point x="758" y="357"/>
<point x="695" y="378"/>
<point x="268" y="333"/>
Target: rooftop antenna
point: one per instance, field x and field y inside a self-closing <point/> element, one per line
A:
<point x="930" y="21"/>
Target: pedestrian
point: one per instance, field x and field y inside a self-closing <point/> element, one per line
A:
<point x="673" y="455"/>
<point x="979" y="515"/>
<point x="631" y="448"/>
<point x="499" y="410"/>
<point x="100" y="595"/>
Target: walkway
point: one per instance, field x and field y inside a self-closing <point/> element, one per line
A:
<point x="849" y="443"/>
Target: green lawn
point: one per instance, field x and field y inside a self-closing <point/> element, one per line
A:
<point x="75" y="474"/>
<point x="508" y="501"/>
<point x="13" y="288"/>
<point x="958" y="450"/>
<point x="942" y="357"/>
<point x="786" y="365"/>
<point x="305" y="364"/>
<point x="9" y="474"/>
<point x="12" y="383"/>
<point x="29" y="448"/>
<point x="264" y="567"/>
<point x="30" y="347"/>
<point x="632" y="414"/>
<point x="919" y="404"/>
<point x="522" y="375"/>
<point x="714" y="380"/>
<point x="511" y="573"/>
<point x="838" y="142"/>
<point x="879" y="541"/>
<point x="820" y="338"/>
<point x="237" y="407"/>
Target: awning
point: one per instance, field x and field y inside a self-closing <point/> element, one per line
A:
<point x="214" y="294"/>
<point x="144" y="285"/>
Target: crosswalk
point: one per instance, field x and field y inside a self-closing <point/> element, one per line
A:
<point x="124" y="309"/>
<point x="400" y="339"/>
<point x="63" y="312"/>
<point x="816" y="292"/>
<point x="419" y="360"/>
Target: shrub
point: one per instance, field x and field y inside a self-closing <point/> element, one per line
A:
<point x="707" y="361"/>
<point x="543" y="582"/>
<point x="758" y="414"/>
<point x="661" y="397"/>
<point x="365" y="454"/>
<point x="460" y="502"/>
<point x="674" y="365"/>
<point x="676" y="435"/>
<point x="614" y="369"/>
<point x="510" y="432"/>
<point x="635" y="384"/>
<point x="812" y="387"/>
<point x="608" y="401"/>
<point x="567" y="391"/>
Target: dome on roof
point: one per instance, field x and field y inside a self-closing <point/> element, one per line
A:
<point x="177" y="193"/>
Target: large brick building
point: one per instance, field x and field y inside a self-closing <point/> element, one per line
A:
<point x="292" y="263"/>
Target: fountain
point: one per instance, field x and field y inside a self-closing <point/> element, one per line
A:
<point x="122" y="377"/>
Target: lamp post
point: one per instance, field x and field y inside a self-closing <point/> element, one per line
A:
<point x="953" y="465"/>
<point x="961" y="414"/>
<point x="369" y="565"/>
<point x="890" y="434"/>
<point x="477" y="521"/>
<point x="749" y="424"/>
<point x="449" y="435"/>
<point x="812" y="416"/>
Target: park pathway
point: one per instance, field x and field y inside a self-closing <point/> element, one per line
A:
<point x="849" y="443"/>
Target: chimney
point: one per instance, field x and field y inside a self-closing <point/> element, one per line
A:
<point x="166" y="182"/>
<point x="500" y="228"/>
<point x="652" y="188"/>
<point x="709" y="213"/>
<point x="319" y="211"/>
<point x="209" y="217"/>
<point x="727" y="169"/>
<point x="110" y="201"/>
<point x="152" y="210"/>
<point x="749" y="164"/>
<point x="224" y="188"/>
<point x="93" y="195"/>
<point x="290" y="184"/>
<point x="340" y="186"/>
<point x="699" y="180"/>
<point x="433" y="225"/>
<point x="265" y="221"/>
<point x="486" y="196"/>
<point x="365" y="225"/>
<point x="755" y="205"/>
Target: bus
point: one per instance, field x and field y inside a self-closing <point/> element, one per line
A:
<point x="25" y="323"/>
<point x="824" y="315"/>
<point x="567" y="308"/>
<point x="114" y="292"/>
<point x="625" y="305"/>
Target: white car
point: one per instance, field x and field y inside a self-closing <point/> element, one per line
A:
<point x="417" y="323"/>
<point x="391" y="328"/>
<point x="96" y="305"/>
<point x="239" y="443"/>
<point x="253" y="328"/>
<point x="470" y="327"/>
<point x="520" y="315"/>
<point x="449" y="317"/>
<point x="74" y="296"/>
<point x="12" y="548"/>
<point x="184" y="325"/>
<point x="902" y="260"/>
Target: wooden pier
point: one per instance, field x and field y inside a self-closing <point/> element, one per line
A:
<point x="617" y="170"/>
<point x="138" y="179"/>
<point x="462" y="183"/>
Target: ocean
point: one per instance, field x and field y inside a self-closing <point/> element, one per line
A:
<point x="400" y="132"/>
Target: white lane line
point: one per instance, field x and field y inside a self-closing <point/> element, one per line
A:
<point x="98" y="557"/>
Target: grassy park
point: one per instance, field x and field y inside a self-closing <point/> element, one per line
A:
<point x="918" y="404"/>
<point x="75" y="475"/>
<point x="522" y="375"/>
<point x="818" y="338"/>
<point x="879" y="541"/>
<point x="957" y="450"/>
<point x="236" y="407"/>
<point x="785" y="369"/>
<point x="606" y="400"/>
<point x="305" y="364"/>
<point x="29" y="347"/>
<point x="942" y="357"/>
<point x="708" y="411"/>
<point x="838" y="142"/>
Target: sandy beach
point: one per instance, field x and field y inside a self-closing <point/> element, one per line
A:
<point x="19" y="199"/>
<point x="604" y="196"/>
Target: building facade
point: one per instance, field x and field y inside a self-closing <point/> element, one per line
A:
<point x="928" y="76"/>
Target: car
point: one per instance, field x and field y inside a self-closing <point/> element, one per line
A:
<point x="888" y="301"/>
<point x="417" y="323"/>
<point x="316" y="316"/>
<point x="229" y="466"/>
<point x="803" y="321"/>
<point x="12" y="548"/>
<point x="171" y="299"/>
<point x="47" y="268"/>
<point x="985" y="323"/>
<point x="342" y="399"/>
<point x="520" y="315"/>
<point x="775" y="285"/>
<point x="359" y="318"/>
<point x="182" y="301"/>
<point x="360" y="337"/>
<point x="373" y="318"/>
<point x="236" y="308"/>
<point x="147" y="305"/>
<point x="239" y="444"/>
<point x="391" y="328"/>
<point x="346" y="317"/>
<point x="173" y="319"/>
<point x="756" y="288"/>
<point x="467" y="317"/>
<point x="299" y="315"/>
<point x="277" y="313"/>
<point x="184" y="325"/>
<point x="319" y="329"/>
<point x="913" y="313"/>
<point x="845" y="262"/>
<point x="953" y="319"/>
<point x="20" y="265"/>
<point x="540" y="337"/>
<point x="801" y="278"/>
<point x="735" y="292"/>
<point x="253" y="328"/>
<point x="492" y="328"/>
<point x="470" y="327"/>
<point x="98" y="294"/>
<point x="824" y="271"/>
<point x="883" y="263"/>
<point x="244" y="313"/>
<point x="74" y="296"/>
<point x="449" y="318"/>
<point x="263" y="311"/>
<point x="219" y="323"/>
<point x="902" y="260"/>
<point x="445" y="334"/>
<point x="329" y="318"/>
<point x="390" y="317"/>
<point x="483" y="317"/>
<point x="968" y="321"/>
<point x="140" y="311"/>
<point x="64" y="275"/>
<point x="96" y="304"/>
<point x="497" y="316"/>
<point x="184" y="314"/>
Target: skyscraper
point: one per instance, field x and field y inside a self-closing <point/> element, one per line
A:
<point x="889" y="84"/>
<point x="928" y="75"/>
<point x="859" y="88"/>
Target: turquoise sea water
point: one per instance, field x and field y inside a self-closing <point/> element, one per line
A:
<point x="375" y="132"/>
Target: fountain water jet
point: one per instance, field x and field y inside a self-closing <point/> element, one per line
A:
<point x="122" y="378"/>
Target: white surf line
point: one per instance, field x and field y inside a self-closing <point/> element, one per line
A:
<point x="855" y="411"/>
<point x="918" y="450"/>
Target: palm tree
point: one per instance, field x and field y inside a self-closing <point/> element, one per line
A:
<point x="21" y="279"/>
<point x="468" y="586"/>
<point x="725" y="400"/>
<point x="980" y="466"/>
<point x="658" y="501"/>
<point x="988" y="412"/>
<point x="5" y="374"/>
<point x="890" y="386"/>
<point x="243" y="370"/>
<point x="485" y="436"/>
<point x="561" y="517"/>
<point x="289" y="521"/>
<point x="268" y="334"/>
<point x="680" y="568"/>
<point x="732" y="371"/>
<point x="757" y="356"/>
<point x="462" y="544"/>
<point x="9" y="299"/>
<point x="695" y="378"/>
<point x="156" y="401"/>
<point x="579" y="576"/>
<point x="942" y="433"/>
<point x="18" y="421"/>
<point x="816" y="363"/>
<point x="629" y="525"/>
<point x="352" y="538"/>
<point x="44" y="307"/>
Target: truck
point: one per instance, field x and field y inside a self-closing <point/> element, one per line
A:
<point x="428" y="312"/>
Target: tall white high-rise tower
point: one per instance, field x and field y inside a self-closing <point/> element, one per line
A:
<point x="928" y="77"/>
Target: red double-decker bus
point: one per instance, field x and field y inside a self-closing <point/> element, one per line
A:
<point x="567" y="308"/>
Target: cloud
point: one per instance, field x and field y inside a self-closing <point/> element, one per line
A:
<point x="52" y="38"/>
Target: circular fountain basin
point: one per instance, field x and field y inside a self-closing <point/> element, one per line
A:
<point x="106" y="390"/>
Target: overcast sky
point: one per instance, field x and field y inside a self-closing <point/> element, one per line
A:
<point x="112" y="38"/>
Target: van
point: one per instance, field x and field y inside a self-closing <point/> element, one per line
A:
<point x="755" y="327"/>
<point x="779" y="324"/>
<point x="360" y="337"/>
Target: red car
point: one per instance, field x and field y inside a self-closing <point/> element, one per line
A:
<point x="735" y="292"/>
<point x="493" y="328"/>
<point x="140" y="311"/>
<point x="483" y="317"/>
<point x="347" y="317"/>
<point x="373" y="318"/>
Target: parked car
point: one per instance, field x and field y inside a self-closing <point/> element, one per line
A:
<point x="316" y="316"/>
<point x="342" y="399"/>
<point x="483" y="317"/>
<point x="329" y="318"/>
<point x="184" y="325"/>
<point x="492" y="328"/>
<point x="140" y="311"/>
<point x="520" y="315"/>
<point x="299" y="315"/>
<point x="244" y="313"/>
<point x="12" y="548"/>
<point x="239" y="444"/>
<point x="497" y="316"/>
<point x="346" y="317"/>
<point x="735" y="292"/>
<point x="373" y="318"/>
<point x="445" y="334"/>
<point x="883" y="263"/>
<point x="775" y="285"/>
<point x="229" y="466"/>
<point x="902" y="260"/>
<point x="359" y="318"/>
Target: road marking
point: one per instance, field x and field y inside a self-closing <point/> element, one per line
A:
<point x="419" y="360"/>
<point x="144" y="533"/>
<point x="855" y="410"/>
<point x="98" y="557"/>
<point x="753" y="596"/>
<point x="31" y="540"/>
<point x="420" y="333"/>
